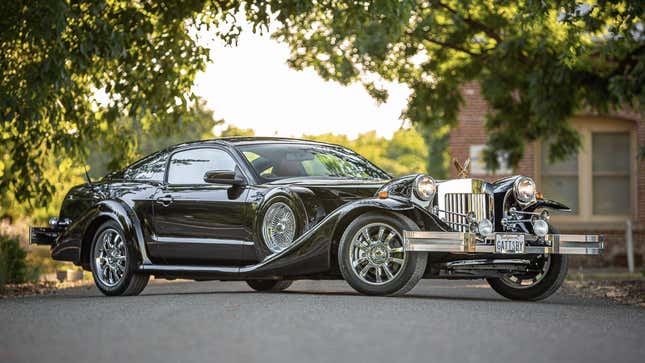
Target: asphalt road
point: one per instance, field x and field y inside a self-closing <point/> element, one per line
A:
<point x="439" y="321"/>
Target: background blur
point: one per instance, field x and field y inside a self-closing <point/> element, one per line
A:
<point x="553" y="91"/>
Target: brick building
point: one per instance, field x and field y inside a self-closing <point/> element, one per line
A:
<point x="604" y="183"/>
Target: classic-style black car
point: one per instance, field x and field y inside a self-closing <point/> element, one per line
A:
<point x="273" y="210"/>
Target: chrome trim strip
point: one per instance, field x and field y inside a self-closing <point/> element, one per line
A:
<point x="216" y="241"/>
<point x="427" y="241"/>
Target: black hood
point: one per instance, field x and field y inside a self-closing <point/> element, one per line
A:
<point x="335" y="188"/>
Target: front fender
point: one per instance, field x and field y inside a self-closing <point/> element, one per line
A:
<point x="311" y="252"/>
<point x="547" y="204"/>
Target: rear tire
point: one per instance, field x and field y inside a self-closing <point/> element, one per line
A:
<point x="371" y="256"/>
<point x="113" y="262"/>
<point x="269" y="285"/>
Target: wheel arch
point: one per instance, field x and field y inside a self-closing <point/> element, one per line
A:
<point x="113" y="210"/>
<point x="398" y="208"/>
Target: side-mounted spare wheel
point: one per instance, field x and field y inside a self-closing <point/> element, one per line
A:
<point x="281" y="223"/>
<point x="371" y="255"/>
<point x="113" y="261"/>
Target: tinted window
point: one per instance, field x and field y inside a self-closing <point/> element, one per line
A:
<point x="189" y="167"/>
<point x="151" y="168"/>
<point x="279" y="161"/>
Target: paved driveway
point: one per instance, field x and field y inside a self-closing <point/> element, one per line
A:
<point x="316" y="321"/>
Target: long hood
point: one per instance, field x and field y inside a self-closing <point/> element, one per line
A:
<point x="338" y="189"/>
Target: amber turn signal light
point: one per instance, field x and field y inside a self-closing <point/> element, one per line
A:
<point x="538" y="195"/>
<point x="383" y="195"/>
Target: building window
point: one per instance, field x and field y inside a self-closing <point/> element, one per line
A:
<point x="598" y="183"/>
<point x="611" y="173"/>
<point x="560" y="180"/>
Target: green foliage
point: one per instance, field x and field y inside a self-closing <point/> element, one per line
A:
<point x="13" y="263"/>
<point x="81" y="75"/>
<point x="231" y="131"/>
<point x="112" y="151"/>
<point x="71" y="71"/>
<point x="538" y="62"/>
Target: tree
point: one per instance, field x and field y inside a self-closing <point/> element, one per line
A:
<point x="538" y="62"/>
<point x="72" y="71"/>
<point x="108" y="152"/>
<point x="149" y="134"/>
<point x="232" y="130"/>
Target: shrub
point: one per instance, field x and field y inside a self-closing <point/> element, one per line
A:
<point x="13" y="262"/>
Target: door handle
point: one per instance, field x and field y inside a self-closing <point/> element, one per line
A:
<point x="166" y="200"/>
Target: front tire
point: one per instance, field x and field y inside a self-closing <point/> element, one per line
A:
<point x="539" y="287"/>
<point x="269" y="285"/>
<point x="552" y="272"/>
<point x="114" y="263"/>
<point x="372" y="259"/>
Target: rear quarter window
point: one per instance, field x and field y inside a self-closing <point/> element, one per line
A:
<point x="152" y="168"/>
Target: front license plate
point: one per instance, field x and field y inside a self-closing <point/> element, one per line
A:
<point x="509" y="243"/>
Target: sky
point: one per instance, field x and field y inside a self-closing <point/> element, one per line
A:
<point x="251" y="86"/>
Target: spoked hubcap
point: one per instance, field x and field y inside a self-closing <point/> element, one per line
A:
<point x="376" y="254"/>
<point x="110" y="257"/>
<point x="529" y="279"/>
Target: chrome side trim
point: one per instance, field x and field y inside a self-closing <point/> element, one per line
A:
<point x="466" y="242"/>
<point x="216" y="241"/>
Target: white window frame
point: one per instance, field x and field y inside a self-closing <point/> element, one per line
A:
<point x="586" y="126"/>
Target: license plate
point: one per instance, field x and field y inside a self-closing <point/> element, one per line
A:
<point x="509" y="243"/>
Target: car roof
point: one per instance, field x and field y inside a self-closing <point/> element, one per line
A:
<point x="246" y="140"/>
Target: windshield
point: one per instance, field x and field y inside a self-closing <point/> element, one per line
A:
<point x="280" y="161"/>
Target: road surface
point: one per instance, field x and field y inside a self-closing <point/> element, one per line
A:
<point x="316" y="321"/>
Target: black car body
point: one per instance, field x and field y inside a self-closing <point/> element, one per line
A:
<point x="199" y="210"/>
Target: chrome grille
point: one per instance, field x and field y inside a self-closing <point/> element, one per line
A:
<point x="457" y="205"/>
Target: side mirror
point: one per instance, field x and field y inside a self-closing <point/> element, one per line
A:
<point x="228" y="177"/>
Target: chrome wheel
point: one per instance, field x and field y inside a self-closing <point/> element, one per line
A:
<point x="376" y="254"/>
<point x="527" y="280"/>
<point x="278" y="227"/>
<point x="110" y="257"/>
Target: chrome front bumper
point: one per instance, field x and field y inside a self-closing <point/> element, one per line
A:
<point x="467" y="242"/>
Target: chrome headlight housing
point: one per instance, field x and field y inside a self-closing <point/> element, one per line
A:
<point x="424" y="187"/>
<point x="524" y="189"/>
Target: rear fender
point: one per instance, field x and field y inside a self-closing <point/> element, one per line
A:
<point x="78" y="236"/>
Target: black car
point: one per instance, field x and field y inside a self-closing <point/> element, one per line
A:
<point x="273" y="210"/>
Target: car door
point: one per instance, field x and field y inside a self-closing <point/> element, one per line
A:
<point x="197" y="222"/>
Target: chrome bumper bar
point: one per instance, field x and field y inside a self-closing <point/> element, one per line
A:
<point x="467" y="242"/>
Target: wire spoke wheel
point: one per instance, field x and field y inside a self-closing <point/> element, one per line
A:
<point x="529" y="279"/>
<point x="110" y="257"/>
<point x="279" y="227"/>
<point x="376" y="254"/>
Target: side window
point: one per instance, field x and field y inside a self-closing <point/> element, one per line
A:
<point x="189" y="167"/>
<point x="151" y="168"/>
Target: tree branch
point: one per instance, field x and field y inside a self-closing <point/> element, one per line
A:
<point x="473" y="23"/>
<point x="452" y="46"/>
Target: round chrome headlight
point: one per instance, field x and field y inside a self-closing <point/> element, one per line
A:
<point x="524" y="189"/>
<point x="424" y="187"/>
<point x="278" y="227"/>
<point x="485" y="227"/>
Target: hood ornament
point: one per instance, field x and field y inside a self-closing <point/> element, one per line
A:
<point x="463" y="170"/>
